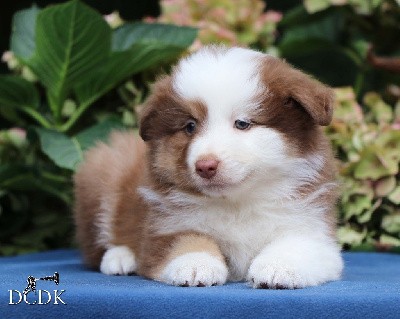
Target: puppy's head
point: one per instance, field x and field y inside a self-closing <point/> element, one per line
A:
<point x="228" y="120"/>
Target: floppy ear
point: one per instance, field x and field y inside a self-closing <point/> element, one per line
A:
<point x="151" y="119"/>
<point x="145" y="127"/>
<point x="162" y="114"/>
<point x="316" y="98"/>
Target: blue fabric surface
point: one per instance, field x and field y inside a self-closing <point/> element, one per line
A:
<point x="370" y="288"/>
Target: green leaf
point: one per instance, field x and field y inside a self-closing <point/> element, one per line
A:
<point x="391" y="223"/>
<point x="394" y="197"/>
<point x="25" y="178"/>
<point x="357" y="205"/>
<point x="397" y="110"/>
<point x="120" y="66"/>
<point x="365" y="7"/>
<point x="12" y="175"/>
<point x="136" y="47"/>
<point x="313" y="6"/>
<point x="23" y="33"/>
<point x="296" y="16"/>
<point x="375" y="165"/>
<point x="64" y="151"/>
<point x="14" y="214"/>
<point x="168" y="35"/>
<point x="366" y="215"/>
<point x="385" y="186"/>
<point x="312" y="35"/>
<point x="389" y="240"/>
<point x="17" y="92"/>
<point x="347" y="235"/>
<point x="67" y="152"/>
<point x="98" y="132"/>
<point x="389" y="142"/>
<point x="71" y="40"/>
<point x="381" y="111"/>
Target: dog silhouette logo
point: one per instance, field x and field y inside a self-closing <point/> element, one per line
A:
<point x="32" y="282"/>
<point x="55" y="295"/>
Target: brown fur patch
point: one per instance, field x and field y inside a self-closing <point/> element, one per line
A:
<point x="162" y="250"/>
<point x="165" y="113"/>
<point x="316" y="98"/>
<point x="295" y="105"/>
<point x="163" y="122"/>
<point x="107" y="180"/>
<point x="193" y="242"/>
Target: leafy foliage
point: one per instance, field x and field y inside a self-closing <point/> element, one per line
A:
<point x="67" y="59"/>
<point x="331" y="39"/>
<point x="74" y="59"/>
<point x="367" y="141"/>
<point x="241" y="22"/>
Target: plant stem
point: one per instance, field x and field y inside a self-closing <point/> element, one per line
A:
<point x="51" y="103"/>
<point x="35" y="115"/>
<point x="358" y="85"/>
<point x="55" y="178"/>
<point x="77" y="114"/>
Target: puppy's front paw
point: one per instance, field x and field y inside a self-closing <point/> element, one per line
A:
<point x="118" y="260"/>
<point x="296" y="262"/>
<point x="275" y="275"/>
<point x="195" y="269"/>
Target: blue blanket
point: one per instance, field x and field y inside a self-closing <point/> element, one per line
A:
<point x="370" y="288"/>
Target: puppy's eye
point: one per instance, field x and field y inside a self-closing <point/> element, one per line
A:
<point x="190" y="127"/>
<point x="242" y="125"/>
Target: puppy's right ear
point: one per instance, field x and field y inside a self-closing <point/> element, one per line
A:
<point x="145" y="127"/>
<point x="150" y="117"/>
<point x="162" y="113"/>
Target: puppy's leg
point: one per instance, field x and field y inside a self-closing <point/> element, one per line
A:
<point x="108" y="211"/>
<point x="296" y="262"/>
<point x="192" y="260"/>
<point x="118" y="260"/>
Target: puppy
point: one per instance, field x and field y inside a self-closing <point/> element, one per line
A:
<point x="233" y="179"/>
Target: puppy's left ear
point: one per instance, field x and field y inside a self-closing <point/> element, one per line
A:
<point x="315" y="97"/>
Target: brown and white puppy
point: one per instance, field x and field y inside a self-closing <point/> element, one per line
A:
<point x="234" y="179"/>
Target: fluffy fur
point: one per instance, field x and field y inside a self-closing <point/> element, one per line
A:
<point x="233" y="180"/>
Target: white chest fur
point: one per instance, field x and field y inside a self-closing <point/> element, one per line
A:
<point x="241" y="230"/>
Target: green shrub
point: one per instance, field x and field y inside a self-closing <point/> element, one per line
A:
<point x="331" y="39"/>
<point x="240" y="22"/>
<point x="367" y="142"/>
<point x="65" y="58"/>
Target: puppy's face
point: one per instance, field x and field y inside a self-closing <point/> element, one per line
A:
<point x="229" y="120"/>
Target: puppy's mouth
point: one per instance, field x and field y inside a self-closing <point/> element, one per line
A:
<point x="218" y="187"/>
<point x="220" y="182"/>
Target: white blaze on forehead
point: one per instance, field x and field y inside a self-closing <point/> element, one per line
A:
<point x="221" y="78"/>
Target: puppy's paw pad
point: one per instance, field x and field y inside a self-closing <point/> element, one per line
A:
<point x="195" y="270"/>
<point x="276" y="275"/>
<point x="118" y="260"/>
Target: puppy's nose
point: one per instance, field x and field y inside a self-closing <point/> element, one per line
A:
<point x="207" y="168"/>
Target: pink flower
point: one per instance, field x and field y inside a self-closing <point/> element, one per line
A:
<point x="7" y="56"/>
<point x="273" y="16"/>
<point x="21" y="133"/>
